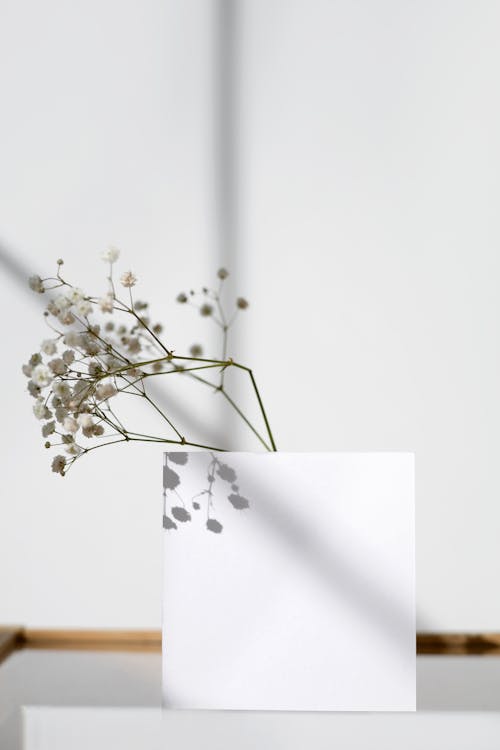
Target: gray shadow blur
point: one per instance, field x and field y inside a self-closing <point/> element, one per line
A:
<point x="330" y="568"/>
<point x="228" y="90"/>
<point x="17" y="271"/>
<point x="226" y="80"/>
<point x="337" y="574"/>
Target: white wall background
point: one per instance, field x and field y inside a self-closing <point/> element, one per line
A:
<point x="367" y="241"/>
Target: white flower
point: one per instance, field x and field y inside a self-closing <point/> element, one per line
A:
<point x="62" y="302"/>
<point x="61" y="414"/>
<point x="57" y="366"/>
<point x="33" y="389"/>
<point x="48" y="429"/>
<point x="106" y="303"/>
<point x="58" y="464"/>
<point x="73" y="449"/>
<point x="72" y="338"/>
<point x="111" y="254"/>
<point x="128" y="279"/>
<point x="70" y="424"/>
<point x="84" y="307"/>
<point x="85" y="420"/>
<point x="39" y="408"/>
<point x="62" y="390"/>
<point x="36" y="284"/>
<point x="49" y="347"/>
<point x="66" y="317"/>
<point x="74" y="295"/>
<point x="106" y="390"/>
<point x="42" y="376"/>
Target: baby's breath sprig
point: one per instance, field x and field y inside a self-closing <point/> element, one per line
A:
<point x="81" y="373"/>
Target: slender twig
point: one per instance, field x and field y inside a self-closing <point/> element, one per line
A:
<point x="96" y="362"/>
<point x="244" y="418"/>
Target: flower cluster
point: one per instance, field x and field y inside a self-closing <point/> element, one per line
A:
<point x="104" y="347"/>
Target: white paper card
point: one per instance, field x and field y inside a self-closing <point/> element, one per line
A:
<point x="305" y="599"/>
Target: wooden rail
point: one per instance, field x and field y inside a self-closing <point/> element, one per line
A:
<point x="14" y="638"/>
<point x="459" y="643"/>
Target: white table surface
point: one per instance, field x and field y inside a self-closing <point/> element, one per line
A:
<point x="70" y="699"/>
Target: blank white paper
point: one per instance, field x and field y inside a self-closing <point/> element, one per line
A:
<point x="305" y="599"/>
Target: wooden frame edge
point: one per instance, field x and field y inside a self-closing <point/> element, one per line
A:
<point x="93" y="640"/>
<point x="14" y="638"/>
<point x="17" y="638"/>
<point x="10" y="640"/>
<point x="465" y="644"/>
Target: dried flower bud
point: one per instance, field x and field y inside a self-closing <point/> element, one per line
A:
<point x="182" y="298"/>
<point x="134" y="345"/>
<point x="196" y="350"/>
<point x="60" y="262"/>
<point x="206" y="310"/>
<point x="222" y="273"/>
<point x="241" y="303"/>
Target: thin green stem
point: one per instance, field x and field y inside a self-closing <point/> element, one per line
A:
<point x="153" y="335"/>
<point x="244" y="418"/>
<point x="261" y="405"/>
<point x="157" y="408"/>
<point x="180" y="442"/>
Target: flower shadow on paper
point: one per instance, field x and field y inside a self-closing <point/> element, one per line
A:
<point x="218" y="475"/>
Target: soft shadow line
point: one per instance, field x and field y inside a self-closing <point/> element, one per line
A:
<point x="334" y="571"/>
